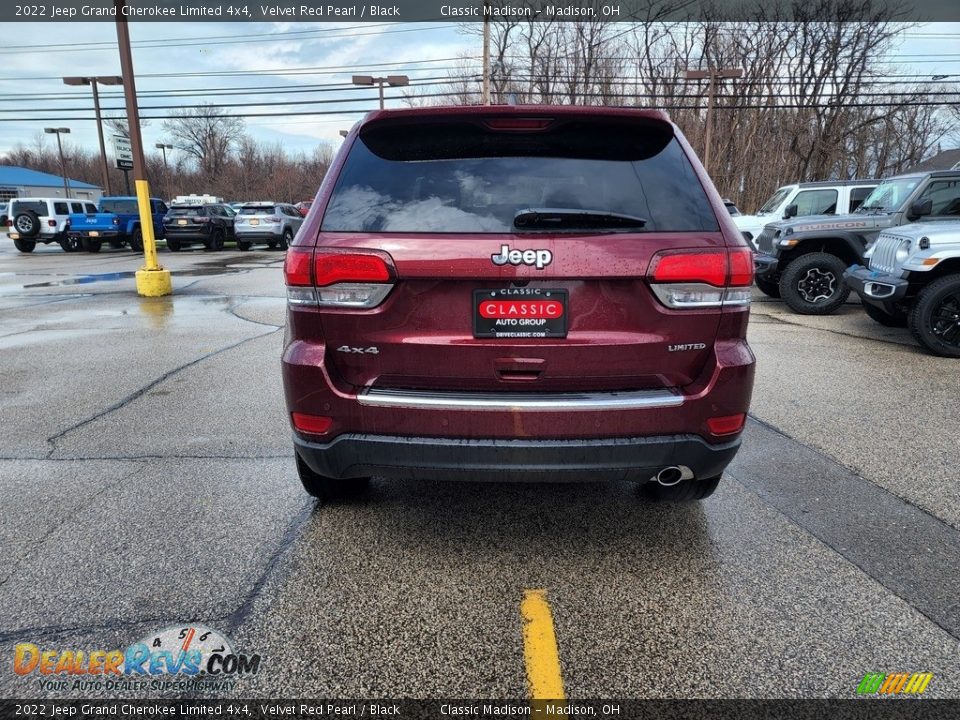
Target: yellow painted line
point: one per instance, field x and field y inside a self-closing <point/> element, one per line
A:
<point x="540" y="647"/>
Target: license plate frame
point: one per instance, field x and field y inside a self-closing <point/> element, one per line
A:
<point x="531" y="320"/>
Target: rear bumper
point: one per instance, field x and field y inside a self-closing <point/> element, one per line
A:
<point x="185" y="235"/>
<point x="101" y="234"/>
<point x="875" y="287"/>
<point x="638" y="459"/>
<point x="535" y="435"/>
<point x="259" y="236"/>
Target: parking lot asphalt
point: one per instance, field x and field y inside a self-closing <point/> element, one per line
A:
<point x="147" y="480"/>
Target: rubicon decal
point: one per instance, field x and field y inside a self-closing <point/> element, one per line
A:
<point x="538" y="258"/>
<point x="544" y="309"/>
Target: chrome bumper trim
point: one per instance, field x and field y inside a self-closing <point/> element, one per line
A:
<point x="549" y="402"/>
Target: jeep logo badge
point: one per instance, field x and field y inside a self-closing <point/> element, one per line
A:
<point x="539" y="258"/>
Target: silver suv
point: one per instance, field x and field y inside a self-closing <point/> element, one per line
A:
<point x="913" y="279"/>
<point x="44" y="220"/>
<point x="272" y="223"/>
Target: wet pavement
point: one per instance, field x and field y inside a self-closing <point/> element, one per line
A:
<point x="147" y="480"/>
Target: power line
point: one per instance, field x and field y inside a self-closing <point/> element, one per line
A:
<point x="650" y="106"/>
<point x="242" y="41"/>
<point x="228" y="91"/>
<point x="307" y="70"/>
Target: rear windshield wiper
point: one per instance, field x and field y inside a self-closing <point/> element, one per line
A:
<point x="546" y="218"/>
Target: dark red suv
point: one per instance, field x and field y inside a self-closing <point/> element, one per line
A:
<point x="517" y="292"/>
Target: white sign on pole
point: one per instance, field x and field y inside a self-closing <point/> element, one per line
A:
<point x="123" y="152"/>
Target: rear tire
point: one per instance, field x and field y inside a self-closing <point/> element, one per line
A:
<point x="935" y="317"/>
<point x="136" y="240"/>
<point x="25" y="246"/>
<point x="71" y="244"/>
<point x="243" y="245"/>
<point x="768" y="287"/>
<point x="215" y="242"/>
<point x="898" y="320"/>
<point x="813" y="284"/>
<point x="173" y="245"/>
<point x="683" y="491"/>
<point x="91" y="245"/>
<point x="326" y="488"/>
<point x="116" y="244"/>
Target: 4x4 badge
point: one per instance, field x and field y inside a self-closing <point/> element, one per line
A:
<point x="539" y="258"/>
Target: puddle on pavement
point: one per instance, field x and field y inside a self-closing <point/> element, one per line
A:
<point x="83" y="279"/>
<point x="202" y="270"/>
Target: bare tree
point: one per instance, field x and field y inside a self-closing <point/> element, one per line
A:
<point x="118" y="125"/>
<point x="207" y="134"/>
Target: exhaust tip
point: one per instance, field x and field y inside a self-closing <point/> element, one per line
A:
<point x="670" y="476"/>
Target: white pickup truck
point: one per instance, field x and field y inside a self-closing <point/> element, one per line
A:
<point x="832" y="197"/>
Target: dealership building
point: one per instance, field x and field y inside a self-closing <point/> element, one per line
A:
<point x="18" y="182"/>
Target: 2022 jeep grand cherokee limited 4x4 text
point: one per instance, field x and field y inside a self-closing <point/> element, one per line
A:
<point x="539" y="293"/>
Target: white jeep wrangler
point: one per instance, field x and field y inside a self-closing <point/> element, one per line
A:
<point x="913" y="279"/>
<point x="44" y="220"/>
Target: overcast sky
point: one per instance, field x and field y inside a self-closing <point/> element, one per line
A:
<point x="32" y="70"/>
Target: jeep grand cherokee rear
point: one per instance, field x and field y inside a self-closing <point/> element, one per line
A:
<point x="536" y="293"/>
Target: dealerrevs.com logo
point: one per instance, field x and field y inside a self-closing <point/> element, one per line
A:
<point x="179" y="657"/>
<point x="894" y="683"/>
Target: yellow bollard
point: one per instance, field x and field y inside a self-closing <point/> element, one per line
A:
<point x="152" y="280"/>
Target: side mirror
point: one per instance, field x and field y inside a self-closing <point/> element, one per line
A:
<point x="790" y="211"/>
<point x="920" y="208"/>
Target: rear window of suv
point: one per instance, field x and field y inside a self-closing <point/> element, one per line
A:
<point x="187" y="212"/>
<point x="38" y="206"/>
<point x="462" y="177"/>
<point x="120" y="207"/>
<point x="257" y="209"/>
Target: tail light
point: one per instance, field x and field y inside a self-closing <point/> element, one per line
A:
<point x="199" y="219"/>
<point x="337" y="279"/>
<point x="52" y="223"/>
<point x="116" y="221"/>
<point x="726" y="424"/>
<point x="272" y="219"/>
<point x="311" y="424"/>
<point x="690" y="279"/>
<point x="518" y="123"/>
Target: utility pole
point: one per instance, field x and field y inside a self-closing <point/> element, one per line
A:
<point x="63" y="162"/>
<point x="485" y="98"/>
<point x="711" y="76"/>
<point x="92" y="82"/>
<point x="163" y="148"/>
<point x="391" y="80"/>
<point x="152" y="279"/>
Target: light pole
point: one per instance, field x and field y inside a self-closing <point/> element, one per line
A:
<point x="391" y="80"/>
<point x="164" y="147"/>
<point x="711" y="76"/>
<point x="63" y="163"/>
<point x="92" y="82"/>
